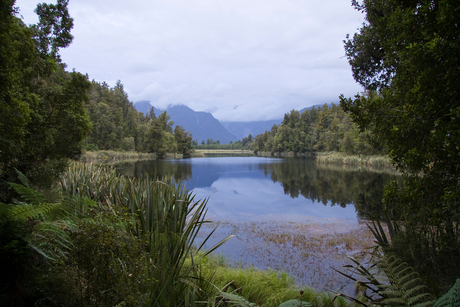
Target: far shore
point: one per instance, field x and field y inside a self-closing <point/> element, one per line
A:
<point x="321" y="157"/>
<point x="224" y="151"/>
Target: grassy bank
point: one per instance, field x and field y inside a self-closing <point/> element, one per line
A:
<point x="109" y="155"/>
<point x="200" y="153"/>
<point x="263" y="287"/>
<point x="224" y="151"/>
<point x="334" y="158"/>
<point x="340" y="158"/>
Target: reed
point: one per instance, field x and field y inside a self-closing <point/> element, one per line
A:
<point x="340" y="158"/>
<point x="109" y="155"/>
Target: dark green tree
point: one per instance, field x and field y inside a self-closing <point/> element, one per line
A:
<point x="183" y="141"/>
<point x="116" y="123"/>
<point x="53" y="29"/>
<point x="43" y="120"/>
<point x="406" y="57"/>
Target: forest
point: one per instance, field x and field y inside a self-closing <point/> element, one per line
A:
<point x="76" y="234"/>
<point x="316" y="130"/>
<point x="324" y="129"/>
<point x="117" y="125"/>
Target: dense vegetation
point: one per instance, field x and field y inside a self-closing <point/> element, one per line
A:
<point x="211" y="144"/>
<point x="317" y="130"/>
<point x="85" y="237"/>
<point x="406" y="57"/>
<point x="95" y="239"/>
<point x="43" y="119"/>
<point x="117" y="125"/>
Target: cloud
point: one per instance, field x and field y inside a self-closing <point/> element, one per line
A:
<point x="266" y="57"/>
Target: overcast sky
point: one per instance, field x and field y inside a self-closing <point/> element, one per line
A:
<point x="241" y="60"/>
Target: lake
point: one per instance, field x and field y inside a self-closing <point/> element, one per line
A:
<point x="287" y="214"/>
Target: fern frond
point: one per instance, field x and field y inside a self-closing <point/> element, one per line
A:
<point x="22" y="178"/>
<point x="451" y="298"/>
<point x="405" y="288"/>
<point x="25" y="211"/>
<point x="29" y="195"/>
<point x="51" y="240"/>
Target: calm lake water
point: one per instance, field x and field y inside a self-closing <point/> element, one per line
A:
<point x="287" y="214"/>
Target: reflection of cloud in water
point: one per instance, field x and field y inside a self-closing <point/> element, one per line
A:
<point x="244" y="198"/>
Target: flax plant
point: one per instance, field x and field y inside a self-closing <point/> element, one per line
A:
<point x="167" y="217"/>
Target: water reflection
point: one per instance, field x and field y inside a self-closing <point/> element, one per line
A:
<point x="245" y="187"/>
<point x="287" y="214"/>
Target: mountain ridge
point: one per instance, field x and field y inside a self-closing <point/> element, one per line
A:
<point x="204" y="126"/>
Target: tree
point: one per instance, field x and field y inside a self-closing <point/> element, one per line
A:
<point x="43" y="119"/>
<point x="53" y="29"/>
<point x="183" y="141"/>
<point x="406" y="57"/>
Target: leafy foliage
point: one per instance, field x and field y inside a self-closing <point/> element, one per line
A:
<point x="387" y="280"/>
<point x="451" y="298"/>
<point x="405" y="288"/>
<point x="30" y="239"/>
<point x="406" y="57"/>
<point x="43" y="120"/>
<point x="167" y="218"/>
<point x="117" y="125"/>
<point x="316" y="130"/>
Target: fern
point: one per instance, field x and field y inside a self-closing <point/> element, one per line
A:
<point x="405" y="288"/>
<point x="451" y="298"/>
<point x="24" y="211"/>
<point x="22" y="178"/>
<point x="28" y="194"/>
<point x="49" y="237"/>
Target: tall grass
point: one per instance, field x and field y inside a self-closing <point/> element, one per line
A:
<point x="167" y="217"/>
<point x="265" y="287"/>
<point x="340" y="158"/>
<point x="109" y="155"/>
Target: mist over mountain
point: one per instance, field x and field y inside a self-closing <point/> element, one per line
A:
<point x="243" y="129"/>
<point x="204" y="125"/>
<point x="144" y="106"/>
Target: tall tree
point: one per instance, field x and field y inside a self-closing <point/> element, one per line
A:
<point x="406" y="57"/>
<point x="43" y="120"/>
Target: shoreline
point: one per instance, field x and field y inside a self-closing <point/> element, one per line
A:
<point x="335" y="158"/>
<point x="320" y="157"/>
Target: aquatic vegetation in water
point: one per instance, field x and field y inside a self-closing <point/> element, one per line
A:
<point x="306" y="251"/>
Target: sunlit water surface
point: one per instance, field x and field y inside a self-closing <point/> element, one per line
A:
<point x="286" y="214"/>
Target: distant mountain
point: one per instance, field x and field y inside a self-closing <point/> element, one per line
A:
<point x="243" y="129"/>
<point x="144" y="106"/>
<point x="202" y="125"/>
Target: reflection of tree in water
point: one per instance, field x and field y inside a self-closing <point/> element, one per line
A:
<point x="334" y="184"/>
<point x="156" y="169"/>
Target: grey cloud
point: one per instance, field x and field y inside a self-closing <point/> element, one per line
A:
<point x="266" y="57"/>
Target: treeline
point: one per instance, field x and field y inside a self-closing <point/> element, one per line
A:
<point x="322" y="129"/>
<point x="117" y="125"/>
<point x="211" y="144"/>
